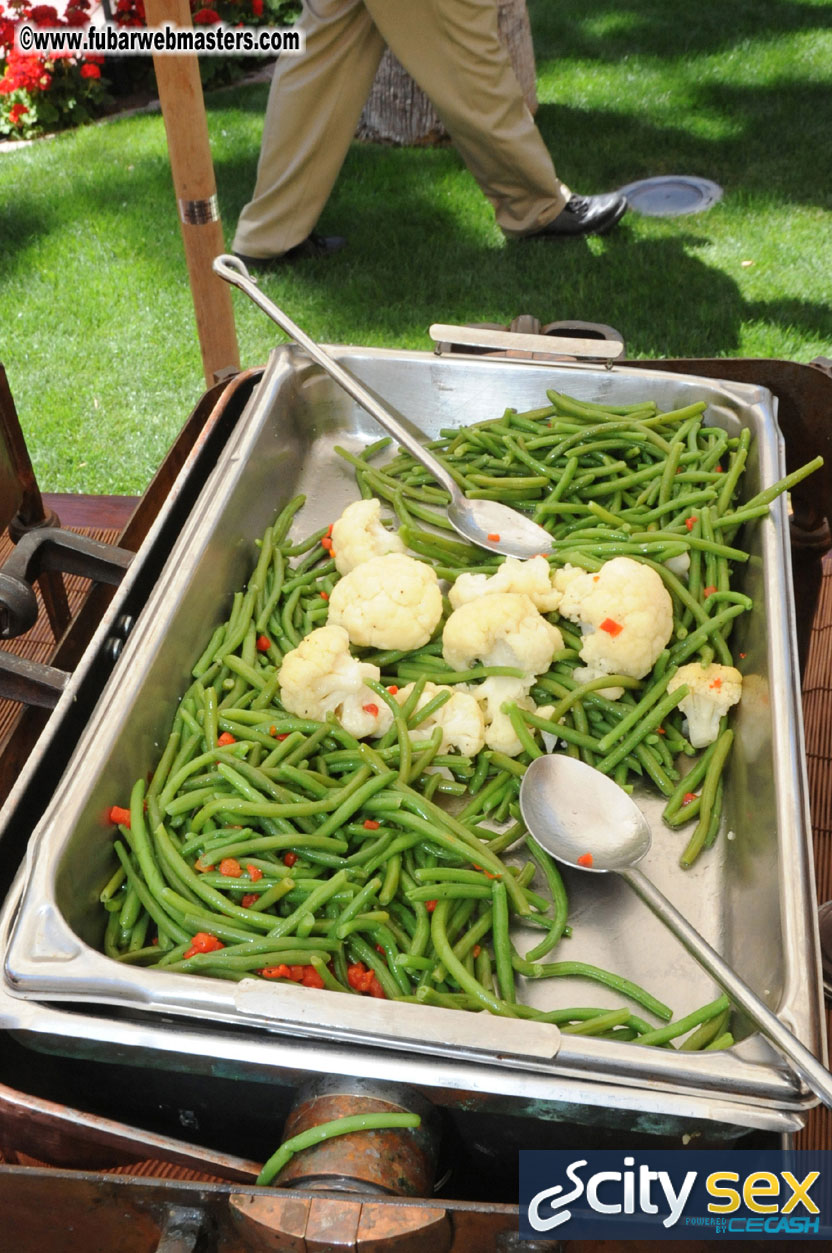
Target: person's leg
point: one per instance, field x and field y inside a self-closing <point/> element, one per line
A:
<point x="313" y="109"/>
<point x="452" y="50"/>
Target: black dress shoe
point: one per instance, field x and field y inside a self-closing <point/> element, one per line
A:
<point x="585" y="215"/>
<point x="313" y="246"/>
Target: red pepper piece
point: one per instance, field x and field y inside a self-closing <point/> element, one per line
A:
<point x="311" y="978"/>
<point x="708" y="591"/>
<point x="494" y="537"/>
<point x="688" y="797"/>
<point x="392" y="689"/>
<point x="375" y="989"/>
<point x="290" y="859"/>
<point x="262" y="643"/>
<point x="324" y="595"/>
<point x="380" y="949"/>
<point x="249" y="899"/>
<point x="430" y="906"/>
<point x="691" y="522"/>
<point x="254" y="872"/>
<point x="230" y="868"/>
<point x="476" y="950"/>
<point x="611" y="627"/>
<point x="274" y="972"/>
<point x="585" y="859"/>
<point x="371" y="709"/>
<point x="370" y="824"/>
<point x="225" y="739"/>
<point x="203" y="942"/>
<point x="118" y="816"/>
<point x="716" y="684"/>
<point x="359" y="977"/>
<point x="201" y="867"/>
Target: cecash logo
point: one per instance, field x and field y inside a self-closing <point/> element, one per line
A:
<point x="739" y="1193"/>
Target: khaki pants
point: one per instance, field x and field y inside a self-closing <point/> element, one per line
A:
<point x="451" y="49"/>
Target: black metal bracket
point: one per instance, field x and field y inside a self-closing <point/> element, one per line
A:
<point x="39" y="551"/>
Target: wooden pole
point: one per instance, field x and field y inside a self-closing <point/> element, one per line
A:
<point x="186" y="126"/>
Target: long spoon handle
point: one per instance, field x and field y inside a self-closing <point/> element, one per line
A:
<point x="815" y="1075"/>
<point x="233" y="270"/>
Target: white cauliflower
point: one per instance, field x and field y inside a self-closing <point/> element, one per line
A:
<point x="460" y="718"/>
<point x="359" y="535"/>
<point x="501" y="629"/>
<point x="495" y="692"/>
<point x="625" y="614"/>
<point x="387" y="602"/>
<point x="320" y="677"/>
<point x="531" y="577"/>
<point x="713" y="690"/>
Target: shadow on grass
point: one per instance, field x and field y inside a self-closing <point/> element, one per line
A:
<point x="607" y="31"/>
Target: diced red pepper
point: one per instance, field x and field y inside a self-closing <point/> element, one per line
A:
<point x="371" y="709"/>
<point x="660" y="731"/>
<point x="708" y="591"/>
<point x="611" y="627"/>
<point x="359" y="977"/>
<point x="494" y="537"/>
<point x="274" y="972"/>
<point x="430" y="906"/>
<point x="392" y="689"/>
<point x="118" y="816"/>
<point x="690" y="522"/>
<point x="370" y="824"/>
<point x="290" y="859"/>
<point x="688" y="797"/>
<point x="201" y="867"/>
<point x="585" y="859"/>
<point x="254" y="872"/>
<point x="329" y="528"/>
<point x="262" y="643"/>
<point x="718" y="469"/>
<point x="716" y="683"/>
<point x="324" y="595"/>
<point x="203" y="942"/>
<point x="311" y="978"/>
<point x="225" y="739"/>
<point x="380" y="949"/>
<point x="487" y="873"/>
<point x="476" y="950"/>
<point x="375" y="989"/>
<point x="742" y="655"/>
<point x="326" y="542"/>
<point x="230" y="868"/>
<point x="249" y="899"/>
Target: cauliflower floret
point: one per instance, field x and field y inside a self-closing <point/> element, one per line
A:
<point x="503" y="629"/>
<point x="713" y="690"/>
<point x="625" y="614"/>
<point x="461" y="719"/>
<point x="531" y="577"/>
<point x="493" y="693"/>
<point x="359" y="535"/>
<point x="320" y="677"/>
<point x="387" y="602"/>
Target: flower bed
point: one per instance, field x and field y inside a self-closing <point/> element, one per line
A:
<point x="43" y="93"/>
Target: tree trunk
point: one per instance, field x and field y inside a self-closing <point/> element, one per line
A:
<point x="398" y="112"/>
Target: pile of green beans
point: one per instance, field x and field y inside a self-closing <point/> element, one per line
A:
<point x="300" y="852"/>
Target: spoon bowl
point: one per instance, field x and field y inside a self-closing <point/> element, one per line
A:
<point x="484" y="523"/>
<point x="587" y="821"/>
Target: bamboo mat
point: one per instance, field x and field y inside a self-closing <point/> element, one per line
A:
<point x="817" y="717"/>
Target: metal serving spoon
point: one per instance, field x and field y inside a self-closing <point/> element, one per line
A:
<point x="485" y="523"/>
<point x="574" y="810"/>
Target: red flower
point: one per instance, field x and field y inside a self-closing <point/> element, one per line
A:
<point x="43" y="15"/>
<point x="90" y="71"/>
<point x="76" y="18"/>
<point x="257" y="7"/>
<point x="16" y="113"/>
<point x="207" y="17"/>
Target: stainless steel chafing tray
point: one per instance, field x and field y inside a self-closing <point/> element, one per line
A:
<point x="751" y="896"/>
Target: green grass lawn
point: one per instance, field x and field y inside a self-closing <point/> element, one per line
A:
<point x="96" y="324"/>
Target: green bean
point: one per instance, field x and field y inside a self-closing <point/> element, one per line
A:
<point x="661" y="1035"/>
<point x="350" y="1125"/>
